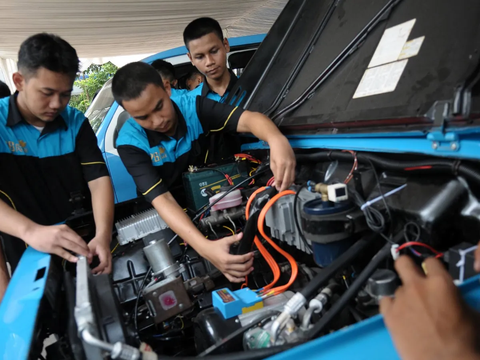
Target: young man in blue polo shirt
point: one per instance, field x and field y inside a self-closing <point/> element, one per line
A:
<point x="48" y="158"/>
<point x="207" y="50"/>
<point x="164" y="137"/>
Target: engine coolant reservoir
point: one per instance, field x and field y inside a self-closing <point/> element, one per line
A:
<point x="231" y="200"/>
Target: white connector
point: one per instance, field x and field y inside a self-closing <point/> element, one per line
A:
<point x="394" y="251"/>
<point x="337" y="192"/>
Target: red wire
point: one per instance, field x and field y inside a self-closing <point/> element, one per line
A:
<point x="354" y="167"/>
<point x="229" y="179"/>
<point x="426" y="167"/>
<point x="271" y="181"/>
<point x="416" y="243"/>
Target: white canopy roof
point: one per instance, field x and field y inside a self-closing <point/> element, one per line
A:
<point x="122" y="31"/>
<point x="106" y="28"/>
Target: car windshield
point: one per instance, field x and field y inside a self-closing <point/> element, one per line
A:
<point x="101" y="104"/>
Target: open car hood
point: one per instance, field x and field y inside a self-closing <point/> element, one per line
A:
<point x="368" y="66"/>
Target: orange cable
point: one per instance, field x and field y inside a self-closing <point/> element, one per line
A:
<point x="266" y="255"/>
<point x="290" y="259"/>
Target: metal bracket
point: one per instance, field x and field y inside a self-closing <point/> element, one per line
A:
<point x="442" y="140"/>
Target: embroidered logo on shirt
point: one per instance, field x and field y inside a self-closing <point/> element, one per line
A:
<point x="21" y="147"/>
<point x="158" y="155"/>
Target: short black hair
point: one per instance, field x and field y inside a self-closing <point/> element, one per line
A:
<point x="194" y="72"/>
<point x="166" y="70"/>
<point x="4" y="90"/>
<point x="130" y="81"/>
<point x="201" y="27"/>
<point x="48" y="51"/>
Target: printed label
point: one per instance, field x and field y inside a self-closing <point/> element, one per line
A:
<point x="225" y="296"/>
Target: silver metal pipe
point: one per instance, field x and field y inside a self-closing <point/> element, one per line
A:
<point x="93" y="341"/>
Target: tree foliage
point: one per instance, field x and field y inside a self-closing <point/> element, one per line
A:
<point x="91" y="81"/>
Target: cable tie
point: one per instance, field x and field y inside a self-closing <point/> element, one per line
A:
<point x="373" y="201"/>
<point x="461" y="263"/>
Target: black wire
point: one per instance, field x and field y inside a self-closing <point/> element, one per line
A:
<point x="416" y="236"/>
<point x="135" y="310"/>
<point x="416" y="233"/>
<point x="387" y="208"/>
<point x="295" y="216"/>
<point x="259" y="323"/>
<point x="373" y="217"/>
<point x="240" y="184"/>
<point x="225" y="175"/>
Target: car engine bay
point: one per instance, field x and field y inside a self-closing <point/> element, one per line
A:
<point x="324" y="253"/>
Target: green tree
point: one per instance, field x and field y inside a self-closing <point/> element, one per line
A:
<point x="90" y="81"/>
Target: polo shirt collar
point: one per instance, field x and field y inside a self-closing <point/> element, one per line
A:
<point x="15" y="117"/>
<point x="233" y="80"/>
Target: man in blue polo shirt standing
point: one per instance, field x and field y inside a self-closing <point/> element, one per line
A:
<point x="49" y="161"/>
<point x="207" y="50"/>
<point x="164" y="137"/>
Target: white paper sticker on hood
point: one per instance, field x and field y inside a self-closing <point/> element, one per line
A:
<point x="391" y="44"/>
<point x="381" y="79"/>
<point x="411" y="48"/>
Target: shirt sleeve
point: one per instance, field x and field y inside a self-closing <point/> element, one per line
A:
<point x="91" y="159"/>
<point x="148" y="178"/>
<point x="215" y="116"/>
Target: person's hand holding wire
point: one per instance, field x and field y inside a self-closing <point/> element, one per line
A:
<point x="282" y="163"/>
<point x="427" y="318"/>
<point x="234" y="267"/>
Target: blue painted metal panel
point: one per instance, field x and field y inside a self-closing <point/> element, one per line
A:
<point x="102" y="130"/>
<point x="467" y="145"/>
<point x="368" y="340"/>
<point x="20" y="305"/>
<point x="123" y="184"/>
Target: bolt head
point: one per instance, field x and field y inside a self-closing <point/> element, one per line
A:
<point x="454" y="146"/>
<point x="435" y="145"/>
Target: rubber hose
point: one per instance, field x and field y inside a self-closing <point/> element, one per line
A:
<point x="322" y="278"/>
<point x="350" y="293"/>
<point x="469" y="173"/>
<point x="444" y="165"/>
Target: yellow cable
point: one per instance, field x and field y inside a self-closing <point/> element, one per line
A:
<point x="115" y="248"/>
<point x="181" y="319"/>
<point x="233" y="232"/>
